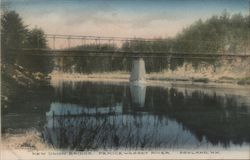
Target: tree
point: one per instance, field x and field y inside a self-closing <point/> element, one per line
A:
<point x="219" y="34"/>
<point x="36" y="39"/>
<point x="13" y="34"/>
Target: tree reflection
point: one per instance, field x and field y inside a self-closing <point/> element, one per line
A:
<point x="94" y="116"/>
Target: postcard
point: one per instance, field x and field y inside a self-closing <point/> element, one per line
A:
<point x="125" y="79"/>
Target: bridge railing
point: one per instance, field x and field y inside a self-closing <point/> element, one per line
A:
<point x="125" y="44"/>
<point x="133" y="45"/>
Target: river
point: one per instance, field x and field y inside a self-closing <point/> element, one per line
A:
<point x="91" y="115"/>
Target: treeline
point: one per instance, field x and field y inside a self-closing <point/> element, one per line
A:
<point x="228" y="34"/>
<point x="16" y="35"/>
<point x="101" y="47"/>
<point x="219" y="34"/>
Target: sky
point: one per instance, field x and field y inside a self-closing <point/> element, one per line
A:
<point x="123" y="18"/>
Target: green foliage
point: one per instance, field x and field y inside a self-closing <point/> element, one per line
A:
<point x="203" y="80"/>
<point x="244" y="81"/>
<point x="13" y="34"/>
<point x="13" y="30"/>
<point x="91" y="47"/>
<point x="155" y="45"/>
<point x="36" y="39"/>
<point x="219" y="34"/>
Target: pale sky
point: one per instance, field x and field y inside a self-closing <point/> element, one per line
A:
<point x="124" y="18"/>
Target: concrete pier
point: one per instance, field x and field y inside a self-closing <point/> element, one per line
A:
<point x="138" y="73"/>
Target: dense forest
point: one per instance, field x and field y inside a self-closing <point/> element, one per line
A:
<point x="218" y="34"/>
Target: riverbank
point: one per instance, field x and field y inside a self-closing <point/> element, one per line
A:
<point x="27" y="140"/>
<point x="121" y="76"/>
<point x="235" y="71"/>
<point x="18" y="89"/>
<point x="16" y="81"/>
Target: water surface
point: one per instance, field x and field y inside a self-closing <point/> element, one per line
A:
<point x="84" y="115"/>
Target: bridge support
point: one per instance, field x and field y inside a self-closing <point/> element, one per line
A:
<point x="138" y="73"/>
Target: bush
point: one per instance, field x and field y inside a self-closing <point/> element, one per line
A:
<point x="244" y="81"/>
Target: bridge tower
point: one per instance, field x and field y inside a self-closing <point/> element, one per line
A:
<point x="138" y="72"/>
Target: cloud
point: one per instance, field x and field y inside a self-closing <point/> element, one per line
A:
<point x="149" y="18"/>
<point x="111" y="18"/>
<point x="108" y="24"/>
<point x="116" y="18"/>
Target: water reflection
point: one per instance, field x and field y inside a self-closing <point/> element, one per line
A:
<point x="117" y="131"/>
<point x="94" y="116"/>
<point x="138" y="93"/>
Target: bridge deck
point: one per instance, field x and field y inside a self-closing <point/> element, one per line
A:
<point x="124" y="54"/>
